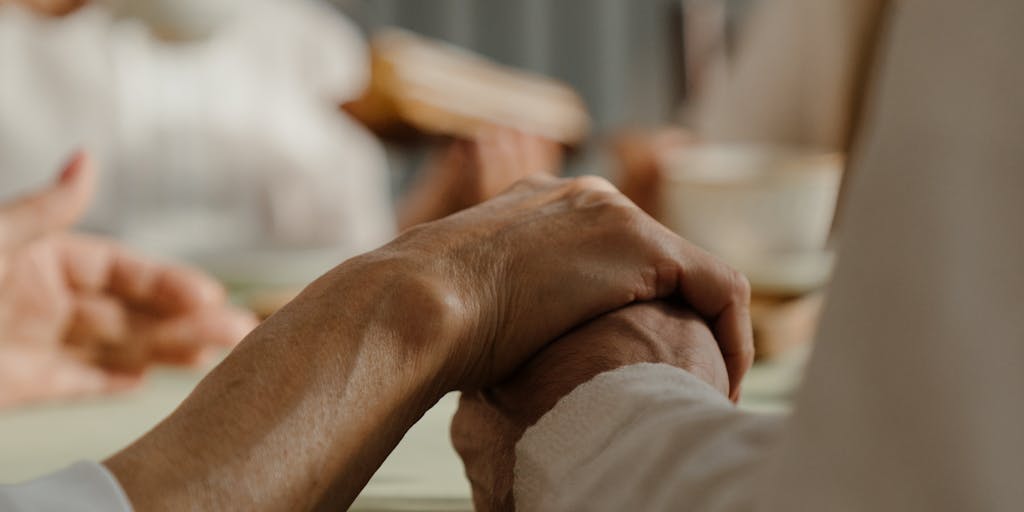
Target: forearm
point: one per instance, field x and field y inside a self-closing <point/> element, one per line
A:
<point x="299" y="416"/>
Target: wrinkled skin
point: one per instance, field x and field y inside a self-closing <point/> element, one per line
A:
<point x="553" y="253"/>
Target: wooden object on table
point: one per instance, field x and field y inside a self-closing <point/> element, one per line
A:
<point x="781" y="324"/>
<point x="439" y="89"/>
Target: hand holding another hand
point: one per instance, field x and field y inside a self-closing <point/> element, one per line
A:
<point x="490" y="422"/>
<point x="518" y="271"/>
<point x="325" y="388"/>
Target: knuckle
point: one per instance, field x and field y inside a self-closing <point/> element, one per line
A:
<point x="587" y="191"/>
<point x="591" y="183"/>
<point x="747" y="353"/>
<point x="604" y="199"/>
<point x="739" y="284"/>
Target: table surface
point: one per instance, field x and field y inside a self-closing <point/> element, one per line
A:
<point x="423" y="473"/>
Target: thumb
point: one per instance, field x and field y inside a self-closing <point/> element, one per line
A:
<point x="56" y="207"/>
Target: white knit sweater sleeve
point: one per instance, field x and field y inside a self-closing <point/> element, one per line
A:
<point x="643" y="437"/>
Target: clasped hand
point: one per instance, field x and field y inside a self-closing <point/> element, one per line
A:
<point x="325" y="388"/>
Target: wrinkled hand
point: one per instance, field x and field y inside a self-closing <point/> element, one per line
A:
<point x="489" y="423"/>
<point x="81" y="315"/>
<point x="518" y="271"/>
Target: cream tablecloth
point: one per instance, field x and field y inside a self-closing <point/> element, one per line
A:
<point x="423" y="473"/>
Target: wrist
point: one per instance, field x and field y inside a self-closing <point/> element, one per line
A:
<point x="418" y="309"/>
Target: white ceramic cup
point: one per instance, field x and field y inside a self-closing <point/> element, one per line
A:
<point x="766" y="210"/>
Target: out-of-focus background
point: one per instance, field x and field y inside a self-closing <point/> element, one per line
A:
<point x="266" y="141"/>
<point x="625" y="59"/>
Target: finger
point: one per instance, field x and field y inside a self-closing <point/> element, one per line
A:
<point x="98" y="319"/>
<point x="183" y="339"/>
<point x="694" y="346"/>
<point x="531" y="155"/>
<point x="163" y="287"/>
<point x="452" y="160"/>
<point x="485" y="441"/>
<point x="551" y="155"/>
<point x="672" y="266"/>
<point x="51" y="209"/>
<point x="98" y="266"/>
<point x="722" y="297"/>
<point x="500" y="155"/>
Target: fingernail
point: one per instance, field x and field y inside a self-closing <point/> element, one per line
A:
<point x="73" y="167"/>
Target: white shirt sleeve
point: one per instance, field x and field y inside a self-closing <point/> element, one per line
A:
<point x="598" y="448"/>
<point x="83" y="487"/>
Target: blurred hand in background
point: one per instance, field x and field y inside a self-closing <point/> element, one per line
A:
<point x="81" y="315"/>
<point x="469" y="172"/>
<point x="637" y="154"/>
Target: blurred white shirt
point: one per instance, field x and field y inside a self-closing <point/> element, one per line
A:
<point x="227" y="145"/>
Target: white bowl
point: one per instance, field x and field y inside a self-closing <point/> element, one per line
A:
<point x="765" y="210"/>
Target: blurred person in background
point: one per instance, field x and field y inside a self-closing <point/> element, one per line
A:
<point x="223" y="145"/>
<point x="217" y="130"/>
<point x="81" y="315"/>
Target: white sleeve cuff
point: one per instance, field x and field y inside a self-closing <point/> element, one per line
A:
<point x="83" y="487"/>
<point x="586" y="420"/>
